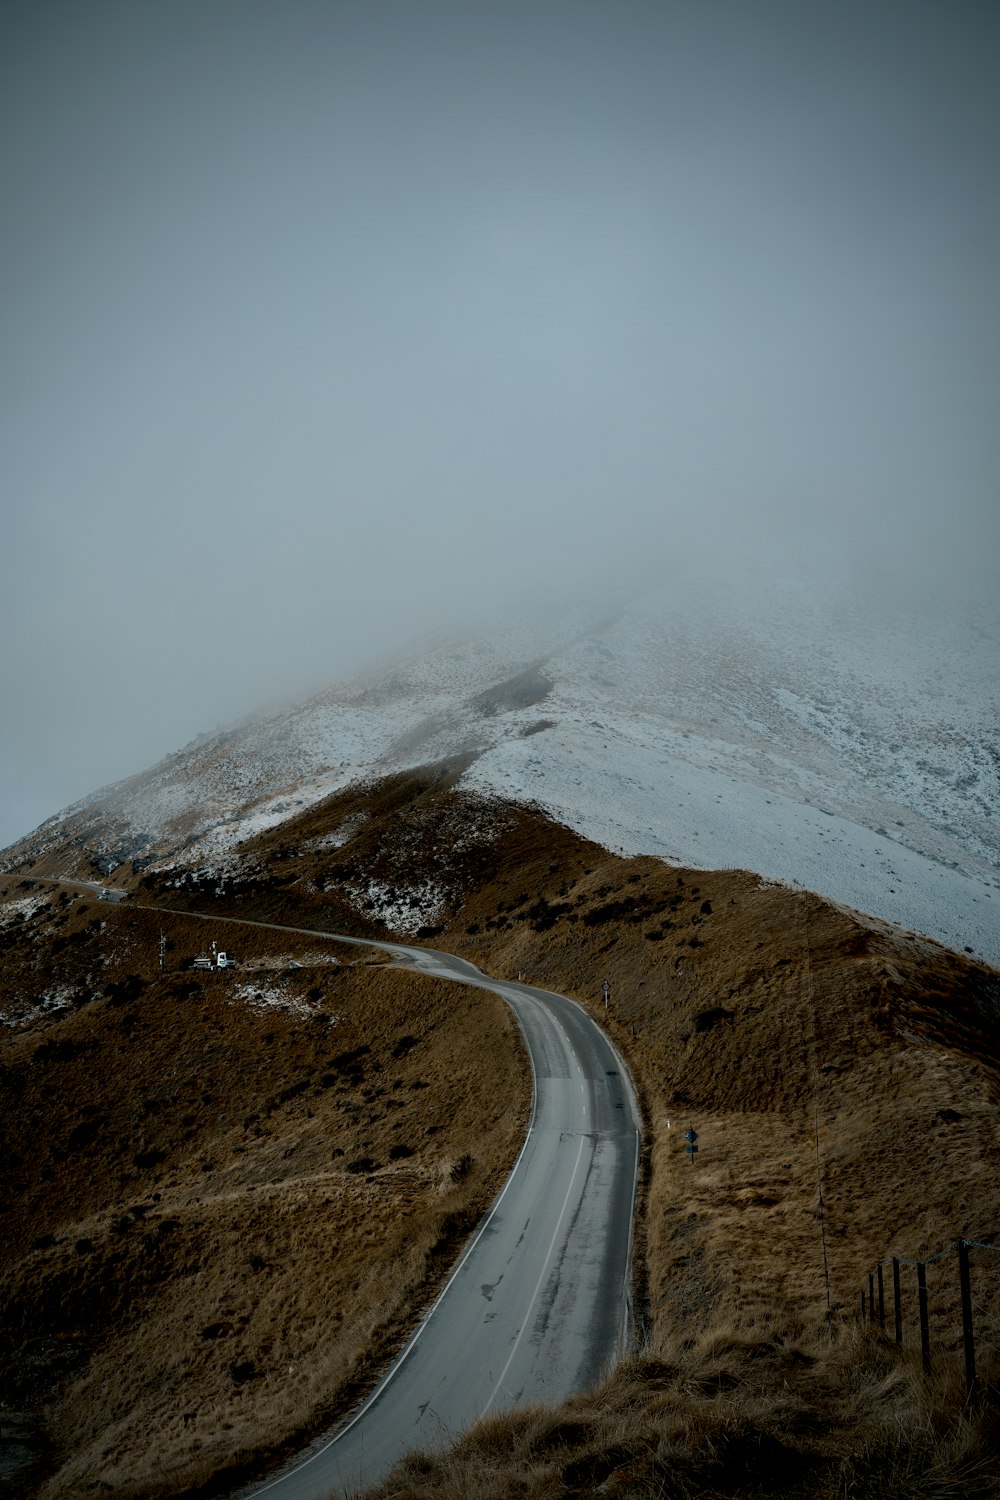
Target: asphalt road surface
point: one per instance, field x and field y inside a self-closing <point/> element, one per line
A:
<point x="537" y="1307"/>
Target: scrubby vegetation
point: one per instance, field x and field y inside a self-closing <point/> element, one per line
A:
<point x="844" y="1079"/>
<point x="225" y="1202"/>
<point x="731" y="1414"/>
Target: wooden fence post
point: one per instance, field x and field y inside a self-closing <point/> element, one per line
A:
<point x="881" y="1297"/>
<point x="925" y="1332"/>
<point x="897" y="1301"/>
<point x="968" y="1335"/>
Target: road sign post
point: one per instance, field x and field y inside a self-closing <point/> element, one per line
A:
<point x="607" y="994"/>
<point x="691" y="1148"/>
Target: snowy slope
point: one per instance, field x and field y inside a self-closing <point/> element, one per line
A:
<point x="805" y="734"/>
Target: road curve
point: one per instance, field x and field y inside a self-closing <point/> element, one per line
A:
<point x="537" y="1307"/>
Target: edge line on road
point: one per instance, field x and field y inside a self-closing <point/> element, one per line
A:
<point x="478" y="979"/>
<point x="542" y="1275"/>
<point x="470" y="1247"/>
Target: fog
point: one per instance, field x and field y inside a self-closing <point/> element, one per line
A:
<point x="328" y="324"/>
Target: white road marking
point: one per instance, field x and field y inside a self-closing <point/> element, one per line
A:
<point x="542" y="1275"/>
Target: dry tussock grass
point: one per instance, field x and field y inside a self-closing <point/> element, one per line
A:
<point x="816" y="1052"/>
<point x="725" y="1415"/>
<point x="772" y="1021"/>
<point x="788" y="1018"/>
<point x="230" y="1215"/>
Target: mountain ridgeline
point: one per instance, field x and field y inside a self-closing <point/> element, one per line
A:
<point x="762" y="859"/>
<point x="185" y="1146"/>
<point x="805" y="737"/>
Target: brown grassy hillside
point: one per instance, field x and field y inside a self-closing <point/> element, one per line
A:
<point x="725" y="1417"/>
<point x="842" y="1075"/>
<point x="771" y="1020"/>
<point x="226" y="1195"/>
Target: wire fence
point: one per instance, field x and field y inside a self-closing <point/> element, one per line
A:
<point x="926" y="1301"/>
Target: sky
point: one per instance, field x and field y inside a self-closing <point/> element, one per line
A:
<point x="327" y="325"/>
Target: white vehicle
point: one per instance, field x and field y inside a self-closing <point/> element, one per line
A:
<point x="215" y="960"/>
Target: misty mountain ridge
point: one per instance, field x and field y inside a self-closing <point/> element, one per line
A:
<point x="811" y="735"/>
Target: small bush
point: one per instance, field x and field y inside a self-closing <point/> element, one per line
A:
<point x="706" y="1019"/>
<point x="124" y="991"/>
<point x="83" y="1134"/>
<point x="544" y="916"/>
<point x="56" y="1050"/>
<point x="285" y="1095"/>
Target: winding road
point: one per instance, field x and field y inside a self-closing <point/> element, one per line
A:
<point x="537" y="1307"/>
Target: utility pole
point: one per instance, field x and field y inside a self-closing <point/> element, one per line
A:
<point x="163" y="949"/>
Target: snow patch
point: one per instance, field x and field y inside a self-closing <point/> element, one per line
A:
<point x="402" y="910"/>
<point x="282" y="961"/>
<point x="816" y="738"/>
<point x="22" y="908"/>
<point x="339" y="836"/>
<point x="49" y="1004"/>
<point x="264" y="997"/>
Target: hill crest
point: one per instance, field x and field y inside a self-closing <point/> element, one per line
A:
<point x="830" y="749"/>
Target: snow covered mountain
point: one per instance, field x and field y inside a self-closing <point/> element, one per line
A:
<point x="804" y="733"/>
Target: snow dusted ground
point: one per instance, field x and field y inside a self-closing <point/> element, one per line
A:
<point x="860" y="762"/>
<point x="260" y="997"/>
<point x="49" y="1003"/>
<point x="807" y="734"/>
<point x="21" y="909"/>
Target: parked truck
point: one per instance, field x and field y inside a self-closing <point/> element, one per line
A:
<point x="214" y="960"/>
